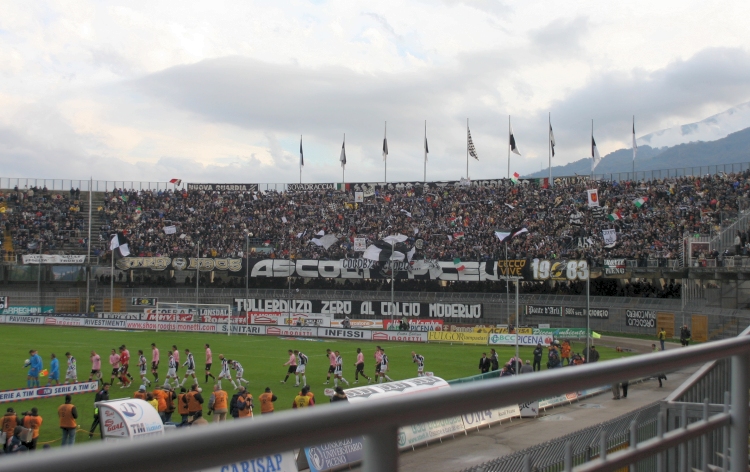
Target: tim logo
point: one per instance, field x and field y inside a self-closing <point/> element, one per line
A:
<point x="131" y="410"/>
<point x="44" y="391"/>
<point x="138" y="428"/>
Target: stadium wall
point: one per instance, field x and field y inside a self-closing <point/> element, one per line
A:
<point x="609" y="314"/>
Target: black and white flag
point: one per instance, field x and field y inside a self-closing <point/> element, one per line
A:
<point x="121" y="243"/>
<point x="301" y="156"/>
<point x="385" y="148"/>
<point x="426" y="149"/>
<point x="595" y="157"/>
<point x="324" y="240"/>
<point x="552" y="140"/>
<point x="388" y="248"/>
<point x="635" y="146"/>
<point x="512" y="142"/>
<point x="342" y="158"/>
<point x="470" y="144"/>
<point x="507" y="235"/>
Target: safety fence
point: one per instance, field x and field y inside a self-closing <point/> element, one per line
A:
<point x="380" y="422"/>
<point x="586" y="445"/>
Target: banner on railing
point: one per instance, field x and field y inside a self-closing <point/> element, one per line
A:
<point x="332" y="455"/>
<point x="358" y="307"/>
<point x="26" y="310"/>
<point x="283" y="462"/>
<point x="544" y="310"/>
<point x="223" y="187"/>
<point x="520" y="339"/>
<point x="52" y="259"/>
<point x="640" y="318"/>
<point x="3" y="303"/>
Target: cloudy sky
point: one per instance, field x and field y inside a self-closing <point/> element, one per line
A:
<point x="221" y="91"/>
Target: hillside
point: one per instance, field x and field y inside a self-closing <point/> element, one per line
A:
<point x="732" y="149"/>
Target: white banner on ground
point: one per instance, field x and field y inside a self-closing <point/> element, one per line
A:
<point x="292" y="331"/>
<point x="359" y="324"/>
<point x="523" y="339"/>
<point x="403" y="336"/>
<point x="52" y="259"/>
<point x="529" y="410"/>
<point x="557" y="400"/>
<point x="36" y="393"/>
<point x="410" y="436"/>
<point x="283" y="462"/>
<point x="344" y="333"/>
<point x="241" y="329"/>
<point x="482" y="418"/>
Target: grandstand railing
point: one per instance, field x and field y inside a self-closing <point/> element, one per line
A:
<point x="109" y="185"/>
<point x="674" y="172"/>
<point x="378" y="421"/>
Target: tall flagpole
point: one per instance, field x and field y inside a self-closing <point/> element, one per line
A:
<point x="425" y="150"/>
<point x="591" y="144"/>
<point x="633" y="147"/>
<point x="509" y="146"/>
<point x="385" y="156"/>
<point x="467" y="148"/>
<point x="88" y="250"/>
<point x="549" y="147"/>
<point x="300" y="158"/>
<point x="343" y="164"/>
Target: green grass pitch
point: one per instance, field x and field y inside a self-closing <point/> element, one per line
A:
<point x="261" y="356"/>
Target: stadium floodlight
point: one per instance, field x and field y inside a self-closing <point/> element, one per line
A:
<point x="193" y="313"/>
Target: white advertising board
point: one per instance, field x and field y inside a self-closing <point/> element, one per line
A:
<point x="523" y="339"/>
<point x="130" y="418"/>
<point x="402" y="336"/>
<point x="283" y="462"/>
<point x="482" y="418"/>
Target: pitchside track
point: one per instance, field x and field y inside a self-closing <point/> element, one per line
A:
<point x="261" y="356"/>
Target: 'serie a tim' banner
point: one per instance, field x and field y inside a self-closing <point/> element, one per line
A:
<point x="36" y="393"/>
<point x="457" y="337"/>
<point x="520" y="339"/>
<point x="283" y="462"/>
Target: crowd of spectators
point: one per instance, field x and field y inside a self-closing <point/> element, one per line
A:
<point x="36" y="216"/>
<point x="453" y="222"/>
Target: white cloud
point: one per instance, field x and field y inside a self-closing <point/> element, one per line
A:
<point x="223" y="89"/>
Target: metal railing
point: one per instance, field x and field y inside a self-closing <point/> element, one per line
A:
<point x="674" y="172"/>
<point x="585" y="445"/>
<point x="378" y="421"/>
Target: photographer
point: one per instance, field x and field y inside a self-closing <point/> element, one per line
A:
<point x="32" y="420"/>
<point x="101" y="396"/>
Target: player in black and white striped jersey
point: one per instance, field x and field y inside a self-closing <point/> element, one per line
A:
<point x="225" y="372"/>
<point x="301" y="367"/>
<point x="338" y="372"/>
<point x="240" y="372"/>
<point x="171" y="371"/>
<point x="419" y="360"/>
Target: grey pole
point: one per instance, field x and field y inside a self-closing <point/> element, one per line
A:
<point x="588" y="319"/>
<point x="518" y="368"/>
<point x="247" y="276"/>
<point x="739" y="424"/>
<point x="289" y="279"/>
<point x="88" y="252"/>
<point x="393" y="272"/>
<point x="39" y="277"/>
<point x="507" y="284"/>
<point x="197" y="271"/>
<point x="381" y="450"/>
<point x="112" y="283"/>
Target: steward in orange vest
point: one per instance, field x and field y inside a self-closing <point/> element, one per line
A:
<point x="266" y="401"/>
<point x="68" y="415"/>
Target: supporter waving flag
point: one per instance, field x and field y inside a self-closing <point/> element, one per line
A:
<point x="324" y="240"/>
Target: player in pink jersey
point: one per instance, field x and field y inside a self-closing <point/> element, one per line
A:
<point x="96" y="367"/>
<point x="155" y="363"/>
<point x="360" y="365"/>
<point x="114" y="361"/>
<point x="292" y="363"/>
<point x="331" y="365"/>
<point x="378" y="360"/>
<point x="209" y="361"/>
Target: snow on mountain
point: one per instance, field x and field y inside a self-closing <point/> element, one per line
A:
<point x="710" y="129"/>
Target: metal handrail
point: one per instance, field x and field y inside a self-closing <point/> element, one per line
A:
<point x="378" y="421"/>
